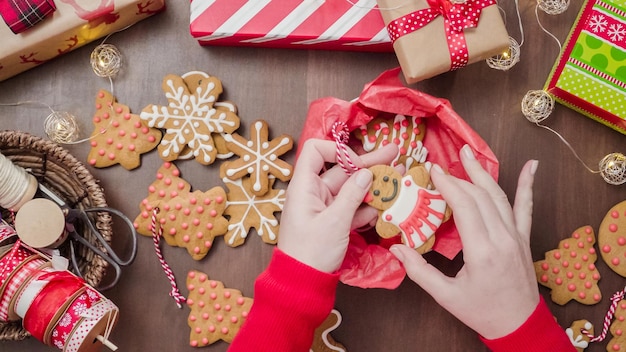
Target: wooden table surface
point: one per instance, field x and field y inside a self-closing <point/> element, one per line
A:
<point x="278" y="86"/>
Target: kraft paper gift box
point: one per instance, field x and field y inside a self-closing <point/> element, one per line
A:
<point x="73" y="24"/>
<point x="297" y="24"/>
<point x="589" y="75"/>
<point x="423" y="52"/>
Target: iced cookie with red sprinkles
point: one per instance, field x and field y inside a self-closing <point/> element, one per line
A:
<point x="618" y="329"/>
<point x="612" y="238"/>
<point x="193" y="220"/>
<point x="119" y="137"/>
<point x="168" y="184"/>
<point x="217" y="313"/>
<point x="570" y="270"/>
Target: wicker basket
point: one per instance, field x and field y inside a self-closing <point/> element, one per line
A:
<point x="57" y="169"/>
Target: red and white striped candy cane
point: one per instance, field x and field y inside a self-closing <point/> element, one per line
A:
<point x="608" y="318"/>
<point x="341" y="135"/>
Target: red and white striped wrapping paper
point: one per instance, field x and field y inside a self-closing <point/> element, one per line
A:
<point x="354" y="25"/>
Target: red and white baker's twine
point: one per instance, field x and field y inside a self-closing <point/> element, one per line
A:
<point x="157" y="231"/>
<point x="608" y="318"/>
<point x="341" y="134"/>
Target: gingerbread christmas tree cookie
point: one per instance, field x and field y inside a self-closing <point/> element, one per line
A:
<point x="167" y="185"/>
<point x="618" y="329"/>
<point x="119" y="137"/>
<point x="190" y="118"/>
<point x="570" y="270"/>
<point x="612" y="238"/>
<point x="258" y="157"/>
<point x="217" y="312"/>
<point x="193" y="220"/>
<point x="247" y="210"/>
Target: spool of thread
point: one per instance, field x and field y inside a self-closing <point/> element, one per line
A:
<point x="40" y="223"/>
<point x="16" y="185"/>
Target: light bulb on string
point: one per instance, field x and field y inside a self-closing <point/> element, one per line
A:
<point x="508" y="58"/>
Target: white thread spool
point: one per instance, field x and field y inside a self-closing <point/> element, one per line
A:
<point x="16" y="185"/>
<point x="40" y="223"/>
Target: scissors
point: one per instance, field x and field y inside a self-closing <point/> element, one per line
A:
<point x="73" y="216"/>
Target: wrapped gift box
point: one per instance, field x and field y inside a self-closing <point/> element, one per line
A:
<point x="73" y="24"/>
<point x="423" y="51"/>
<point x="590" y="74"/>
<point x="300" y="24"/>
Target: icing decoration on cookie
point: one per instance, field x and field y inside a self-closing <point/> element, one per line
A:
<point x="579" y="340"/>
<point x="167" y="185"/>
<point x="119" y="137"/>
<point x="612" y="238"/>
<point x="570" y="271"/>
<point x="247" y="210"/>
<point x="193" y="220"/>
<point x="618" y="329"/>
<point x="405" y="131"/>
<point x="322" y="340"/>
<point x="407" y="205"/>
<point x="217" y="313"/>
<point x="258" y="157"/>
<point x="190" y="119"/>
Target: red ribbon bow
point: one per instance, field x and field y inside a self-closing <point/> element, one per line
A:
<point x="457" y="17"/>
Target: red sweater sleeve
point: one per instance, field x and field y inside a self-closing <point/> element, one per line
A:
<point x="291" y="300"/>
<point x="540" y="333"/>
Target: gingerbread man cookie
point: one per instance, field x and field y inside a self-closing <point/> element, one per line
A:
<point x="167" y="185"/>
<point x="258" y="157"/>
<point x="322" y="341"/>
<point x="612" y="238"/>
<point x="570" y="270"/>
<point x="247" y="210"/>
<point x="408" y="205"/>
<point x="405" y="131"/>
<point x="194" y="220"/>
<point x="217" y="313"/>
<point x="119" y="137"/>
<point x="575" y="333"/>
<point x="190" y="119"/>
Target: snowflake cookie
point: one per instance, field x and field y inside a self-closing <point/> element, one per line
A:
<point x="258" y="157"/>
<point x="570" y="270"/>
<point x="191" y="118"/>
<point x="119" y="137"/>
<point x="167" y="185"/>
<point x="217" y="312"/>
<point x="247" y="210"/>
<point x="194" y="220"/>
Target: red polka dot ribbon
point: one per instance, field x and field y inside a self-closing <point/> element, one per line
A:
<point x="457" y="17"/>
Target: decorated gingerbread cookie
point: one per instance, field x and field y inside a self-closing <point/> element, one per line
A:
<point x="322" y="341"/>
<point x="258" y="157"/>
<point x="618" y="329"/>
<point x="408" y="205"/>
<point x="167" y="185"/>
<point x="570" y="270"/>
<point x="191" y="119"/>
<point x="217" y="313"/>
<point x="247" y="210"/>
<point x="119" y="137"/>
<point x="194" y="220"/>
<point x="612" y="238"/>
<point x="575" y="333"/>
<point x="405" y="131"/>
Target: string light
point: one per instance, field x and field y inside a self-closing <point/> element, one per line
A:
<point x="106" y="60"/>
<point x="553" y="7"/>
<point x="508" y="58"/>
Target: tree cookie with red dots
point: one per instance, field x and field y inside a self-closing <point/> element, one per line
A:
<point x="576" y="336"/>
<point x="193" y="220"/>
<point x="612" y="238"/>
<point x="217" y="313"/>
<point x="119" y="137"/>
<point x="618" y="329"/>
<point x="322" y="341"/>
<point x="405" y="131"/>
<point x="167" y="185"/>
<point x="191" y="118"/>
<point x="408" y="205"/>
<point x="570" y="270"/>
<point x="247" y="210"/>
<point x="258" y="157"/>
